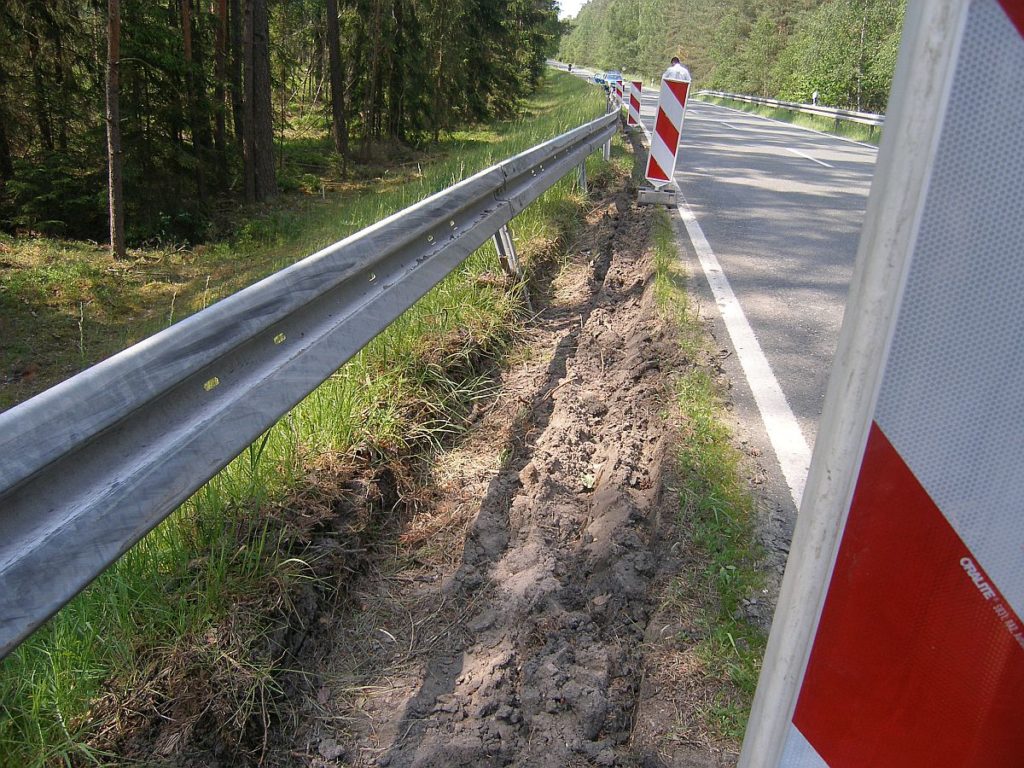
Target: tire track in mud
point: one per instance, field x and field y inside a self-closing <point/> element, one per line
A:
<point x="562" y="568"/>
<point x="527" y="649"/>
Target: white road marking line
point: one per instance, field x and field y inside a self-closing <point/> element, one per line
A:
<point x="791" y="449"/>
<point x="805" y="156"/>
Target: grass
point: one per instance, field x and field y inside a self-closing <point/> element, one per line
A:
<point x="866" y="133"/>
<point x="206" y="605"/>
<point x="716" y="517"/>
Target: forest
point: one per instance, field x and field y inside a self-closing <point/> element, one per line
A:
<point x="787" y="49"/>
<point x="134" y="121"/>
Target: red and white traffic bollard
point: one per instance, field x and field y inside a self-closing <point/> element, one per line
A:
<point x="661" y="163"/>
<point x="633" y="118"/>
<point x="899" y="636"/>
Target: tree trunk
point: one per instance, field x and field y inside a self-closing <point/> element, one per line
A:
<point x="248" y="108"/>
<point x="220" y="9"/>
<point x="6" y="156"/>
<point x="397" y="61"/>
<point x="199" y="80"/>
<point x="237" y="57"/>
<point x="191" y="98"/>
<point x="61" y="83"/>
<point x="338" y="126"/>
<point x="117" y="247"/>
<point x="372" y="120"/>
<point x="39" y="95"/>
<point x="439" y="73"/>
<point x="6" y="163"/>
<point x="860" y="60"/>
<point x="262" y="105"/>
<point x="257" y="107"/>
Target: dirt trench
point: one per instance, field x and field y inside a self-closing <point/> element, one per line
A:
<point x="508" y="626"/>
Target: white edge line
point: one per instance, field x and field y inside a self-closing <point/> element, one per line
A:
<point x="805" y="156"/>
<point x="788" y="442"/>
<point x="791" y="448"/>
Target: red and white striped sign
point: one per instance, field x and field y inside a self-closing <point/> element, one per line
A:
<point x="633" y="118"/>
<point x="618" y="90"/>
<point x="899" y="638"/>
<point x="661" y="163"/>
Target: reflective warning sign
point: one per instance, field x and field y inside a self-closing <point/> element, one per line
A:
<point x="917" y="652"/>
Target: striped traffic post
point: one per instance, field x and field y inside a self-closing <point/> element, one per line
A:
<point x="661" y="162"/>
<point x="899" y="636"/>
<point x="633" y="118"/>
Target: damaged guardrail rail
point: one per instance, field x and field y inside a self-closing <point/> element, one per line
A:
<point x="88" y="467"/>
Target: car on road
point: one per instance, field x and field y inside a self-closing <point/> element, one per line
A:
<point x="599" y="78"/>
<point x="612" y="76"/>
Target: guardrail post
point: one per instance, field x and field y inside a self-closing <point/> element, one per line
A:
<point x="507" y="252"/>
<point x="581" y="177"/>
<point x="509" y="260"/>
<point x="608" y="150"/>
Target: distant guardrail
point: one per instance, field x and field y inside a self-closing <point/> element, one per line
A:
<point x="864" y="118"/>
<point x="88" y="467"/>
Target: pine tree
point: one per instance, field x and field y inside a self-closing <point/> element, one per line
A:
<point x="339" y="129"/>
<point x="117" y="246"/>
<point x="194" y="97"/>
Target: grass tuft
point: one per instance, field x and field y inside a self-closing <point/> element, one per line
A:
<point x="716" y="517"/>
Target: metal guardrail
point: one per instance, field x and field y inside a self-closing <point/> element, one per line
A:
<point x="864" y="118"/>
<point x="88" y="467"/>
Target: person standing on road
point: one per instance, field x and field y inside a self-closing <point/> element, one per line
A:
<point x="676" y="71"/>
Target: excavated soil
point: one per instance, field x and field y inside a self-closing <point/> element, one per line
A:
<point x="514" y="618"/>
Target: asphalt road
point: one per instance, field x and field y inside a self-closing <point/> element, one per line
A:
<point x="782" y="209"/>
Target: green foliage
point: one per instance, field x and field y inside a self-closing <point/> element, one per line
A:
<point x="844" y="49"/>
<point x="57" y="196"/>
<point x="412" y="69"/>
<point x="716" y="516"/>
